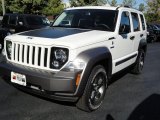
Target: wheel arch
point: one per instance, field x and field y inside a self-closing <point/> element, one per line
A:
<point x="143" y="45"/>
<point x="94" y="57"/>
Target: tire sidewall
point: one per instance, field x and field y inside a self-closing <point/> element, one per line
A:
<point x="96" y="70"/>
<point x="141" y="53"/>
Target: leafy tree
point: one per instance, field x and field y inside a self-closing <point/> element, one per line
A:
<point x="53" y="7"/>
<point x="131" y="3"/>
<point x="47" y="7"/>
<point x="25" y="6"/>
<point x="113" y="3"/>
<point x="153" y="11"/>
<point x="75" y="3"/>
<point x="141" y="7"/>
<point x="1" y="11"/>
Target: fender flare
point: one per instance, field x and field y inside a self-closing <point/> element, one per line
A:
<point x="143" y="45"/>
<point x="93" y="57"/>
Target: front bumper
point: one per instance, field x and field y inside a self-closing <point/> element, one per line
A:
<point x="55" y="85"/>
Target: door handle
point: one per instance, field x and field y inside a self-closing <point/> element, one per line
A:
<point x="132" y="37"/>
<point x="141" y="35"/>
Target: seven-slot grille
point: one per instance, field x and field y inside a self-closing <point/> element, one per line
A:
<point x="32" y="55"/>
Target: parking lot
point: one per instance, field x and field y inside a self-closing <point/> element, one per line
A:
<point x="129" y="97"/>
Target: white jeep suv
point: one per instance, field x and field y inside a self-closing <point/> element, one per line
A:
<point x="74" y="59"/>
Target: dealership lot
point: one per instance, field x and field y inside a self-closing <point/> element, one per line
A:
<point x="128" y="97"/>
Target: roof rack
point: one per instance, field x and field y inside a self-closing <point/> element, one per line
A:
<point x="126" y="6"/>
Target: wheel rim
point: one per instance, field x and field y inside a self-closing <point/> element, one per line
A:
<point x="141" y="63"/>
<point x="97" y="90"/>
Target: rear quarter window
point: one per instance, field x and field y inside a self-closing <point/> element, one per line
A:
<point x="135" y="19"/>
<point x="143" y="22"/>
<point x="13" y="20"/>
<point x="5" y="19"/>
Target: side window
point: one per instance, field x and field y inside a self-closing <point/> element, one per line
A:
<point x="143" y="23"/>
<point x="13" y="20"/>
<point x="20" y="20"/>
<point x="125" y="26"/>
<point x="135" y="19"/>
<point x="5" y="20"/>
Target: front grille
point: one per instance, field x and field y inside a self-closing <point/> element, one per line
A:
<point x="31" y="55"/>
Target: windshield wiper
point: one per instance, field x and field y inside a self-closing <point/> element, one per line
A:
<point x="59" y="26"/>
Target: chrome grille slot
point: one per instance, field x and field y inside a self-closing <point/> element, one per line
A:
<point x="31" y="55"/>
<point x="45" y="57"/>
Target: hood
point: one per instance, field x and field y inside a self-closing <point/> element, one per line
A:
<point x="67" y="37"/>
<point x="32" y="27"/>
<point x="53" y="33"/>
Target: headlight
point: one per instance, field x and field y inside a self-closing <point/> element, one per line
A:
<point x="59" y="57"/>
<point x="9" y="49"/>
<point x="76" y="65"/>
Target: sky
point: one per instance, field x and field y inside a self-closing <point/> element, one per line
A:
<point x="120" y="2"/>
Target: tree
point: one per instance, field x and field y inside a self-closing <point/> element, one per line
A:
<point x="53" y="7"/>
<point x="47" y="7"/>
<point x="141" y="7"/>
<point x="25" y="6"/>
<point x="113" y="3"/>
<point x="131" y="3"/>
<point x="1" y="11"/>
<point x="75" y="3"/>
<point x="153" y="11"/>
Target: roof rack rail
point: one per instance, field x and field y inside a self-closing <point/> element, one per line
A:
<point x="126" y="6"/>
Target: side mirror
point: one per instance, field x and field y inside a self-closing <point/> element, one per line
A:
<point x="51" y="23"/>
<point x="124" y="29"/>
<point x="20" y="23"/>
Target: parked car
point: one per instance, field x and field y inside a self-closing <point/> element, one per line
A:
<point x="75" y="60"/>
<point x="14" y="23"/>
<point x="1" y="17"/>
<point x="151" y="36"/>
<point x="156" y="31"/>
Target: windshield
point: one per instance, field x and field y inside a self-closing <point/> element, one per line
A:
<point x="37" y="20"/>
<point x="88" y="19"/>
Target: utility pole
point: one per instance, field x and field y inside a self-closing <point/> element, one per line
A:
<point x="3" y="7"/>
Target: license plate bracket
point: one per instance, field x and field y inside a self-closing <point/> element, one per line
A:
<point x="18" y="78"/>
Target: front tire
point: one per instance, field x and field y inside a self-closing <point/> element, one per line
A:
<point x="95" y="90"/>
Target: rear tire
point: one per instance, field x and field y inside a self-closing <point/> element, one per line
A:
<point x="137" y="69"/>
<point x="95" y="90"/>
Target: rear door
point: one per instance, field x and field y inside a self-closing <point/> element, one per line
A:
<point x="137" y="30"/>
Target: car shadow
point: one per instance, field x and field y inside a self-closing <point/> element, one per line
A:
<point x="116" y="77"/>
<point x="120" y="75"/>
<point x="149" y="109"/>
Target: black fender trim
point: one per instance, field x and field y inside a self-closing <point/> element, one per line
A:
<point x="143" y="45"/>
<point x="93" y="57"/>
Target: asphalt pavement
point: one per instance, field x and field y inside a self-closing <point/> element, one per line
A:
<point x="129" y="97"/>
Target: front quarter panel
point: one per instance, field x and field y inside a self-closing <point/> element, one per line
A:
<point x="91" y="58"/>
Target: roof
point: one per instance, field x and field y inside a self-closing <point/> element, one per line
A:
<point x="93" y="7"/>
<point x="105" y="8"/>
<point x="23" y="14"/>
